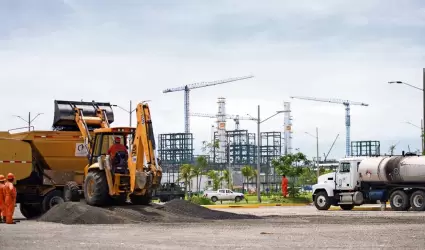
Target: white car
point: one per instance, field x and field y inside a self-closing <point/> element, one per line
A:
<point x="224" y="195"/>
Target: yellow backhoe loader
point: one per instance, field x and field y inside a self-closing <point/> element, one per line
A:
<point x="125" y="176"/>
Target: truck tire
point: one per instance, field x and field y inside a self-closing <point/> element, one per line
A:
<point x="238" y="199"/>
<point x="417" y="201"/>
<point x="51" y="199"/>
<point x="96" y="191"/>
<point x="399" y="201"/>
<point x="214" y="199"/>
<point x="71" y="192"/>
<point x="322" y="201"/>
<point x="30" y="211"/>
<point x="346" y="206"/>
<point x="145" y="199"/>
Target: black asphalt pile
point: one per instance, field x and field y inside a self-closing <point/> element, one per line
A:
<point x="186" y="208"/>
<point x="174" y="211"/>
<point x="80" y="213"/>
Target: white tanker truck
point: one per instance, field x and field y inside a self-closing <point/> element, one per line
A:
<point x="367" y="180"/>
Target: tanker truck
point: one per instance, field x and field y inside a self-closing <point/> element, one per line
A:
<point x="49" y="165"/>
<point x="369" y="180"/>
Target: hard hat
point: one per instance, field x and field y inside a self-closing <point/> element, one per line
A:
<point x="117" y="139"/>
<point x="2" y="177"/>
<point x="10" y="176"/>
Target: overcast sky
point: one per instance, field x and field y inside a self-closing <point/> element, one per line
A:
<point x="118" y="51"/>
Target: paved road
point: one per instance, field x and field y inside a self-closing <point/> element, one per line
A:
<point x="285" y="228"/>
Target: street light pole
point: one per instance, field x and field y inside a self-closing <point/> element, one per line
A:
<point x="317" y="149"/>
<point x="130" y="112"/>
<point x="258" y="119"/>
<point x="423" y="100"/>
<point x="29" y="121"/>
<point x="258" y="156"/>
<point x="422" y="132"/>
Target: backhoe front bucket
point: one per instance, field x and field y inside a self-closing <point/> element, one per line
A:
<point x="65" y="112"/>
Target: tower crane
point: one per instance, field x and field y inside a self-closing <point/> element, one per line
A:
<point x="235" y="118"/>
<point x="347" y="104"/>
<point x="187" y="89"/>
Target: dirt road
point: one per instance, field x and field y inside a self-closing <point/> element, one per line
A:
<point x="283" y="228"/>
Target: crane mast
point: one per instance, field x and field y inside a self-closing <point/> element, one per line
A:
<point x="347" y="104"/>
<point x="189" y="87"/>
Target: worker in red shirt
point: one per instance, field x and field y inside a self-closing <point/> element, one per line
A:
<point x="284" y="186"/>
<point x="116" y="147"/>
<point x="2" y="209"/>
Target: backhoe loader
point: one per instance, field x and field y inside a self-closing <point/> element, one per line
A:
<point x="124" y="176"/>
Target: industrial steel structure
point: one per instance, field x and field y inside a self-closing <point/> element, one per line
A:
<point x="365" y="148"/>
<point x="175" y="149"/>
<point x="187" y="88"/>
<point x="347" y="104"/>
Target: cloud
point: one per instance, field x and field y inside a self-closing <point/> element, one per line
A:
<point x="132" y="51"/>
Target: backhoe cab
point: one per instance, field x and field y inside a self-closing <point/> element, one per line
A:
<point x="124" y="175"/>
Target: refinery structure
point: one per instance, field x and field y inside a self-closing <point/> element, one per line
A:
<point x="235" y="148"/>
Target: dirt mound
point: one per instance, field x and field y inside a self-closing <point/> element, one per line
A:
<point x="172" y="212"/>
<point x="80" y="213"/>
<point x="182" y="207"/>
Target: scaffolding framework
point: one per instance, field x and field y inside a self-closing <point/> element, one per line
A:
<point x="271" y="147"/>
<point x="365" y="148"/>
<point x="175" y="149"/>
<point x="242" y="148"/>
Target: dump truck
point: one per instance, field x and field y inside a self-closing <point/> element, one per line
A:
<point x="121" y="177"/>
<point x="49" y="165"/>
<point x="371" y="180"/>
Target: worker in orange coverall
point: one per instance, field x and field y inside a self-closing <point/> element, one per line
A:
<point x="2" y="211"/>
<point x="9" y="192"/>
<point x="284" y="186"/>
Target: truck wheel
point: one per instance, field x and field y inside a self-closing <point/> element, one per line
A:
<point x="214" y="199"/>
<point x="417" y="200"/>
<point x="71" y="192"/>
<point x="346" y="206"/>
<point x="96" y="191"/>
<point x="237" y="199"/>
<point x="52" y="199"/>
<point x="399" y="201"/>
<point x="30" y="211"/>
<point x="322" y="201"/>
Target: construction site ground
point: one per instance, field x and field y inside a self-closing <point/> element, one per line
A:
<point x="297" y="227"/>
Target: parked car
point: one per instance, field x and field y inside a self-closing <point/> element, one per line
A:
<point x="224" y="195"/>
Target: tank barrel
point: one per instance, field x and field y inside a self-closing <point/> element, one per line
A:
<point x="64" y="114"/>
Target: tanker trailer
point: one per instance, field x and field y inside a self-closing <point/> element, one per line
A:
<point x="49" y="165"/>
<point x="397" y="179"/>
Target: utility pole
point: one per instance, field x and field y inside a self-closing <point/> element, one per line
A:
<point x="317" y="152"/>
<point x="258" y="156"/>
<point x="29" y="121"/>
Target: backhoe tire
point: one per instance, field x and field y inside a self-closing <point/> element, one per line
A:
<point x="145" y="199"/>
<point x="52" y="199"/>
<point x="30" y="211"/>
<point x="71" y="192"/>
<point x="96" y="191"/>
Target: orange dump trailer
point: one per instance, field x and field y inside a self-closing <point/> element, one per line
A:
<point x="48" y="165"/>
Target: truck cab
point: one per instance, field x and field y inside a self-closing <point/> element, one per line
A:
<point x="338" y="188"/>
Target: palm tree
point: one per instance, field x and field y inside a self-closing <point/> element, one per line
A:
<point x="186" y="176"/>
<point x="216" y="179"/>
<point x="201" y="163"/>
<point x="227" y="178"/>
<point x="247" y="173"/>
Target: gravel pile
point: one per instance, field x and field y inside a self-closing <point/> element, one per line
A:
<point x="182" y="207"/>
<point x="172" y="212"/>
<point x="80" y="213"/>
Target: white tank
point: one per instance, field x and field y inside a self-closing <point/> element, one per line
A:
<point x="393" y="169"/>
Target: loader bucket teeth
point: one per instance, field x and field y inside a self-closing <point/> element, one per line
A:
<point x="64" y="115"/>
